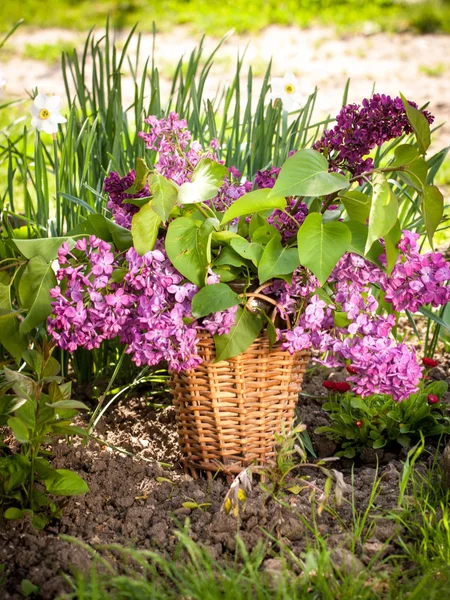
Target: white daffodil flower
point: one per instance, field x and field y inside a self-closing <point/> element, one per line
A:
<point x="287" y="90"/>
<point x="45" y="113"/>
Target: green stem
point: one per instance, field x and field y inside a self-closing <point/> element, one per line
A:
<point x="58" y="205"/>
<point x="103" y="396"/>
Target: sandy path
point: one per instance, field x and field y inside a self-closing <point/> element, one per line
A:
<point x="419" y="66"/>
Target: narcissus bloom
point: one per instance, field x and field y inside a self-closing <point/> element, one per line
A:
<point x="45" y="115"/>
<point x="287" y="90"/>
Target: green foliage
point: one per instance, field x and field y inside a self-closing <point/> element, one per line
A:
<point x="306" y="173"/>
<point x="377" y="420"/>
<point x="36" y="406"/>
<point x="213" y="298"/>
<point x="320" y="245"/>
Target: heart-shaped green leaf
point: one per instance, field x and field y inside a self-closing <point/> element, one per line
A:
<point x="320" y="245"/>
<point x="305" y="173"/>
<point x="253" y="202"/>
<point x="207" y="179"/>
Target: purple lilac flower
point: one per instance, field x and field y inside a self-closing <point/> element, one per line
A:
<point x="231" y="190"/>
<point x="146" y="311"/>
<point x="220" y="323"/>
<point x="266" y="178"/>
<point x="417" y="279"/>
<point x="115" y="187"/>
<point x="178" y="154"/>
<point x="359" y="129"/>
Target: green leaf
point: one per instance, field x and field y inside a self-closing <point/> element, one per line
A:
<point x="229" y="257"/>
<point x="419" y="124"/>
<point x="432" y="209"/>
<point x="22" y="385"/>
<point x="213" y="298"/>
<point x="305" y="173"/>
<point x="140" y="179"/>
<point x="106" y="230"/>
<point x="243" y="333"/>
<point x="404" y="155"/>
<point x="34" y="288"/>
<point x="144" y="229"/>
<point x="341" y="319"/>
<point x="10" y="337"/>
<point x="383" y="212"/>
<point x="28" y="588"/>
<point x="391" y="241"/>
<point x="271" y="330"/>
<point x="165" y="195"/>
<point x="277" y="260"/>
<point x="253" y="202"/>
<point x="63" y="482"/>
<point x="357" y="205"/>
<point x="250" y="251"/>
<point x="263" y="235"/>
<point x="187" y="248"/>
<point x="436" y="318"/>
<point x="207" y="179"/>
<point x="379" y="443"/>
<point x="320" y="246"/>
<point x="68" y="404"/>
<point x="46" y="248"/>
<point x="19" y="429"/>
<point x="13" y="513"/>
<point x="359" y="238"/>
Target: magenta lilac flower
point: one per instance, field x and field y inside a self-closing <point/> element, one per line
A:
<point x="359" y="129"/>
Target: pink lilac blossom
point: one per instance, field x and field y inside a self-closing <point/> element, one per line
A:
<point x="359" y="129"/>
<point x="417" y="279"/>
<point x="379" y="363"/>
<point x="147" y="311"/>
<point x="178" y="154"/>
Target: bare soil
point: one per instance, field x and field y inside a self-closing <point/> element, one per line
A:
<point x="129" y="503"/>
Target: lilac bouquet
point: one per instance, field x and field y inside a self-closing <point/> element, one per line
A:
<point x="194" y="247"/>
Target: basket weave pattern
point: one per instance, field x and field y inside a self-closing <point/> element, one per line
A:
<point x="229" y="412"/>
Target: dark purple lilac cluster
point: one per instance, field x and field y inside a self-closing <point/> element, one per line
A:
<point x="359" y="129"/>
<point x="116" y="186"/>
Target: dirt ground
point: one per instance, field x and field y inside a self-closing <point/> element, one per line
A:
<point x="129" y="504"/>
<point x="416" y="65"/>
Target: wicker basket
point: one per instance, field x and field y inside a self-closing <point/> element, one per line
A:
<point x="229" y="412"/>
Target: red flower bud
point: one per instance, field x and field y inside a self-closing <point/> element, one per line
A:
<point x="358" y="423"/>
<point x="351" y="370"/>
<point x="432" y="399"/>
<point x="341" y="386"/>
<point x="329" y="385"/>
<point x="430" y="362"/>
